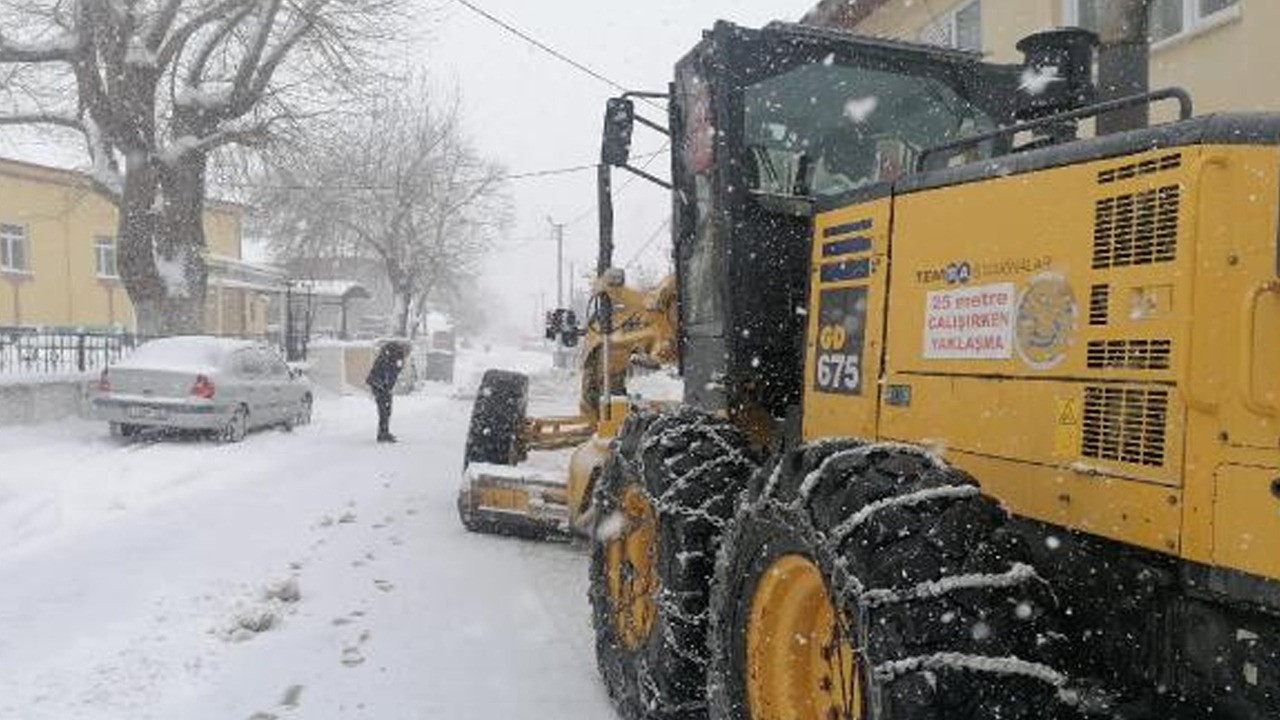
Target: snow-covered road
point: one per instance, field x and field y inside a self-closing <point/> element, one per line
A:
<point x="128" y="573"/>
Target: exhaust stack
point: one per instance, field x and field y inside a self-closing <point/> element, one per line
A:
<point x="1123" y="63"/>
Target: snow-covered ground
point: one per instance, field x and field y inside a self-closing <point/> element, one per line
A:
<point x="136" y="579"/>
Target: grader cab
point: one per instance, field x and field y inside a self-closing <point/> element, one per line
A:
<point x="980" y="414"/>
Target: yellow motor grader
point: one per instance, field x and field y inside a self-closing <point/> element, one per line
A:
<point x="628" y="329"/>
<point x="981" y="414"/>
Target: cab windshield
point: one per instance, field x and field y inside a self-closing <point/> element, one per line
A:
<point x="823" y="129"/>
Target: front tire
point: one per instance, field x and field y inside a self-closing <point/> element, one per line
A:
<point x="661" y="502"/>
<point x="872" y="582"/>
<point x="302" y="416"/>
<point x="494" y="436"/>
<point x="497" y="419"/>
<point x="237" y="427"/>
<point x="123" y="430"/>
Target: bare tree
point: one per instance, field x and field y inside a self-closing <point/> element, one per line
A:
<point x="155" y="87"/>
<point x="402" y="183"/>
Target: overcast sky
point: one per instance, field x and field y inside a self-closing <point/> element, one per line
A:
<point x="531" y="112"/>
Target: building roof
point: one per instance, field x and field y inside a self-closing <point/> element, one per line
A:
<point x="342" y="289"/>
<point x="841" y="13"/>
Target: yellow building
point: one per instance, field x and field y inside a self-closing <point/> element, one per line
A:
<point x="58" y="261"/>
<point x="1219" y="50"/>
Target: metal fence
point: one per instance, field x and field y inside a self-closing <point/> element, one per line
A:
<point x="37" y="352"/>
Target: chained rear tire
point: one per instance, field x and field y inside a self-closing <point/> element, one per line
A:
<point x="940" y="615"/>
<point x="664" y="496"/>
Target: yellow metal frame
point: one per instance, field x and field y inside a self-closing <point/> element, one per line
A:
<point x="1014" y="419"/>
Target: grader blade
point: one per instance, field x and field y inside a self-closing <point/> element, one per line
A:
<point x="512" y="500"/>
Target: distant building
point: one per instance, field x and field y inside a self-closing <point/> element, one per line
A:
<point x="370" y="313"/>
<point x="59" y="264"/>
<point x="1219" y="50"/>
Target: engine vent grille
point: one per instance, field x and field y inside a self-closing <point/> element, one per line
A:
<point x="1099" y="304"/>
<point x="1125" y="424"/>
<point x="1136" y="228"/>
<point x="1129" y="354"/>
<point x="1146" y="167"/>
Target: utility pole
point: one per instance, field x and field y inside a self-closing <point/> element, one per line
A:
<point x="561" y="357"/>
<point x="570" y="284"/>
<point x="557" y="233"/>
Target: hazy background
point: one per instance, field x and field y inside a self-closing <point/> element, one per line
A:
<point x="532" y="112"/>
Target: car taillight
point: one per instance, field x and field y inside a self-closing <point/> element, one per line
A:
<point x="203" y="388"/>
<point x="104" y="382"/>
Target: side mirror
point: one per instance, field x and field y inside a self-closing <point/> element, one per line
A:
<point x="619" y="122"/>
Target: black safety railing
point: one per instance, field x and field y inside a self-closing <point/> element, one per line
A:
<point x="46" y="352"/>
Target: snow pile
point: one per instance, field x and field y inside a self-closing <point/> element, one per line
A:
<point x="611" y="527"/>
<point x="859" y="110"/>
<point x="265" y="612"/>
<point x="187" y="353"/>
<point x="1036" y="80"/>
<point x="173" y="273"/>
<point x="661" y="387"/>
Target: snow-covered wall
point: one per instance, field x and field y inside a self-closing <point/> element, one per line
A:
<point x="41" y="401"/>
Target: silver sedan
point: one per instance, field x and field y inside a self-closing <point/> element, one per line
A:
<point x="202" y="383"/>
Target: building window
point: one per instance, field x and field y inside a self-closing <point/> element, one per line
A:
<point x="13" y="249"/>
<point x="1166" y="19"/>
<point x="104" y="257"/>
<point x="960" y="27"/>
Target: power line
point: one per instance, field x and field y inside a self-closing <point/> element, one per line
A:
<point x="370" y="186"/>
<point x="627" y="183"/>
<point x="666" y="223"/>
<point x="546" y="48"/>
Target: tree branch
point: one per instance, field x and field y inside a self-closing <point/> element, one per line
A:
<point x="43" y="119"/>
<point x="63" y="49"/>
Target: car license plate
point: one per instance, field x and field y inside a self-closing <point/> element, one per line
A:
<point x="147" y="413"/>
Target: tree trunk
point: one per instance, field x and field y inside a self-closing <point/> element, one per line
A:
<point x="403" y="311"/>
<point x="162" y="244"/>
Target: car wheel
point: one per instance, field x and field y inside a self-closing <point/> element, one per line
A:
<point x="237" y="427"/>
<point x="301" y="416"/>
<point x="304" y="411"/>
<point x="122" y="430"/>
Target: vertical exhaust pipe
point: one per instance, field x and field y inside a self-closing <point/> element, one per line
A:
<point x="1123" y="63"/>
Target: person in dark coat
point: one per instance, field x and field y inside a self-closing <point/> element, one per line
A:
<point x="381" y="380"/>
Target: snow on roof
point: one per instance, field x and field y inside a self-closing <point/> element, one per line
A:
<point x="334" y="288"/>
<point x="200" y="353"/>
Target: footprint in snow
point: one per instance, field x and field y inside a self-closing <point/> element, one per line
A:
<point x="351" y="656"/>
<point x="384" y="585"/>
<point x="292" y="696"/>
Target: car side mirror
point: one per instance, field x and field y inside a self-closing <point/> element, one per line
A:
<point x="619" y="122"/>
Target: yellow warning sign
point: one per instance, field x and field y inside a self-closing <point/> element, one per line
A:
<point x="1066" y="432"/>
